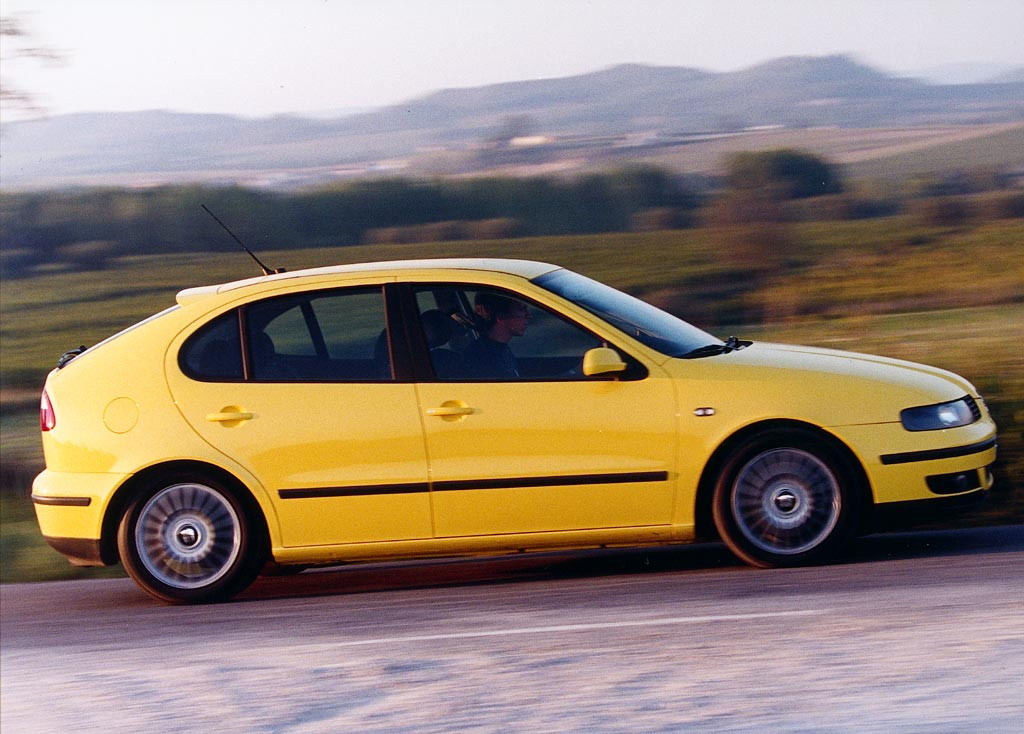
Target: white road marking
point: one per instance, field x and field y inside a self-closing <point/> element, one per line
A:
<point x="578" y="627"/>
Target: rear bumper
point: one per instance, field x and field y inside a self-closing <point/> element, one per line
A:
<point x="79" y="551"/>
<point x="70" y="508"/>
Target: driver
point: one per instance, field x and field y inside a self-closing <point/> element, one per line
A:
<point x="490" y="356"/>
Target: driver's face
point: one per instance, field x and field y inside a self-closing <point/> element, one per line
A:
<point x="517" y="319"/>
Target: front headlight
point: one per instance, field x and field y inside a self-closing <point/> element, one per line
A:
<point x="953" y="414"/>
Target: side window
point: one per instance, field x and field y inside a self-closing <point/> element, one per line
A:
<point x="214" y="352"/>
<point x="353" y="326"/>
<point x="324" y="336"/>
<point x="488" y="334"/>
<point x="287" y="333"/>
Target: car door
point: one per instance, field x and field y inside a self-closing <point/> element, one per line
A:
<point x="542" y="448"/>
<point x="300" y="390"/>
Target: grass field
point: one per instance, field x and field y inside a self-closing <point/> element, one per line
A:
<point x="952" y="297"/>
<point x="999" y="148"/>
<point x="891" y="153"/>
<point x="894" y="154"/>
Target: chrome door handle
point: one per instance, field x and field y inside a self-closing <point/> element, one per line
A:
<point x="448" y="410"/>
<point x="228" y="417"/>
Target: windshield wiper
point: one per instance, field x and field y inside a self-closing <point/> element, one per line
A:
<point x="732" y="344"/>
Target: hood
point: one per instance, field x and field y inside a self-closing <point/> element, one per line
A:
<point x="826" y="386"/>
<point x="913" y="376"/>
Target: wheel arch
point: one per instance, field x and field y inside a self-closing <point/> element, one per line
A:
<point x="137" y="482"/>
<point x="704" y="522"/>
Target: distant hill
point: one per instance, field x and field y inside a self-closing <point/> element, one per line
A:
<point x="963" y="72"/>
<point x="1014" y="76"/>
<point x="600" y="108"/>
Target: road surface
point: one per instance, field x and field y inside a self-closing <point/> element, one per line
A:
<point x="916" y="632"/>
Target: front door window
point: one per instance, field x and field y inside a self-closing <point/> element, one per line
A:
<point x="482" y="334"/>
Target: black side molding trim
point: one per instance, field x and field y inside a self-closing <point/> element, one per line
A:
<point x="459" y="485"/>
<point x="62" y="501"/>
<point x="555" y="481"/>
<point x="363" y="491"/>
<point x="933" y="454"/>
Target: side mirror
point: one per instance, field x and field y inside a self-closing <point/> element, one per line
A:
<point x="602" y="361"/>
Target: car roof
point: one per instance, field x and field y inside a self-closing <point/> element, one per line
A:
<point x="528" y="269"/>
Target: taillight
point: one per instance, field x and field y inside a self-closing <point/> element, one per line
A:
<point x="47" y="418"/>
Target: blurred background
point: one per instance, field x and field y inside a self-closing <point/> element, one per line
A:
<point x="831" y="173"/>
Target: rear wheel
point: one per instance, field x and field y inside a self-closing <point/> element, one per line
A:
<point x="188" y="540"/>
<point x="785" y="499"/>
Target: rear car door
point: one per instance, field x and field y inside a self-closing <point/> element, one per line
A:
<point x="299" y="388"/>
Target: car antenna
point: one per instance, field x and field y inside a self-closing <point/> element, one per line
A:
<point x="264" y="268"/>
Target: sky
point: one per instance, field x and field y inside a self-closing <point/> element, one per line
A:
<point x="264" y="57"/>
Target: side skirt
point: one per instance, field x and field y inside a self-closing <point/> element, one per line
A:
<point x="486" y="545"/>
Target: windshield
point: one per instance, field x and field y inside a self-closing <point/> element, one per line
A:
<point x="642" y="321"/>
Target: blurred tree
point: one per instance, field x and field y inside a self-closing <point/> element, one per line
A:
<point x="1007" y="206"/>
<point x="792" y="173"/>
<point x="16" y="43"/>
<point x="511" y="127"/>
<point x="942" y="211"/>
<point x="749" y="228"/>
<point x="41" y="226"/>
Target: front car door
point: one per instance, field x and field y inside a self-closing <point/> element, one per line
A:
<point x="519" y="440"/>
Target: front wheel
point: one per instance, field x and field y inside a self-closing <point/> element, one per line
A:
<point x="785" y="499"/>
<point x="188" y="540"/>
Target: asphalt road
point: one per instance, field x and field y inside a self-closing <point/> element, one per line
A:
<point x="919" y="632"/>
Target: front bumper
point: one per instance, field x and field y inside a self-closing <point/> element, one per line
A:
<point x="949" y="452"/>
<point x="906" y="467"/>
<point x="901" y="515"/>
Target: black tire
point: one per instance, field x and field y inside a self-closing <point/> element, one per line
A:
<point x="187" y="539"/>
<point x="786" y="498"/>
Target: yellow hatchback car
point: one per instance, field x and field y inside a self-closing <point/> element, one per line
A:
<point x="457" y="407"/>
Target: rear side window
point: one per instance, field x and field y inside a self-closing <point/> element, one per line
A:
<point x="325" y="336"/>
<point x="214" y="353"/>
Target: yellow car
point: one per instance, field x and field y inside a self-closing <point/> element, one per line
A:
<point x="457" y="407"/>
